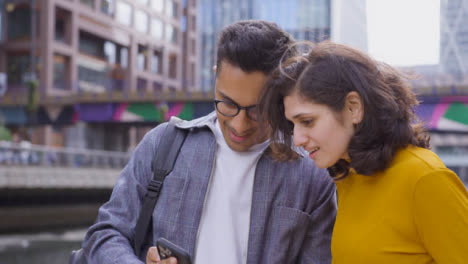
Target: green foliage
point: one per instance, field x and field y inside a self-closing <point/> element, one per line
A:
<point x="33" y="96"/>
<point x="5" y="133"/>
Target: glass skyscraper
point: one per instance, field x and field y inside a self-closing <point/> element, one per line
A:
<point x="454" y="38"/>
<point x="304" y="19"/>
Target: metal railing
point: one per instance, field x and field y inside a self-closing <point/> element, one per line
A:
<point x="27" y="154"/>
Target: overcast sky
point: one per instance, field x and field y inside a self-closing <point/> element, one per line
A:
<point x="404" y="32"/>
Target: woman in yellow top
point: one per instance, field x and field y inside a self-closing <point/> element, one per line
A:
<point x="397" y="202"/>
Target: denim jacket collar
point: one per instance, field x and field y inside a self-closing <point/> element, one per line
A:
<point x="204" y="121"/>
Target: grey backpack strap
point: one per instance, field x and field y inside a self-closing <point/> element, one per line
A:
<point x="163" y="163"/>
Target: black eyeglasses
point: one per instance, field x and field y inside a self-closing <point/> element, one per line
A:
<point x="229" y="108"/>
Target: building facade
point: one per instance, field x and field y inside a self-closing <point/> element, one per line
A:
<point x="349" y="23"/>
<point x="454" y="38"/>
<point x="112" y="65"/>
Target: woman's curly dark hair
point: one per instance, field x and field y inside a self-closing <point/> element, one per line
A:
<point x="325" y="76"/>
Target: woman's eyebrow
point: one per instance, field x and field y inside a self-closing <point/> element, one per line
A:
<point x="299" y="115"/>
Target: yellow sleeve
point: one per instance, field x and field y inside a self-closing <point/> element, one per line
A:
<point x="441" y="216"/>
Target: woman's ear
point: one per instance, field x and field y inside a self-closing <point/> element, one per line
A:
<point x="354" y="105"/>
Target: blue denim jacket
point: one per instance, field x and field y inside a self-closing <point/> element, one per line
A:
<point x="292" y="215"/>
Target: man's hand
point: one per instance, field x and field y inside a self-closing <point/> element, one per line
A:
<point x="153" y="257"/>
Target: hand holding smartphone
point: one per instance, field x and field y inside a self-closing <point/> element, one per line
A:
<point x="168" y="249"/>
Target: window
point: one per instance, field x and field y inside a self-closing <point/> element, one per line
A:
<point x="61" y="72"/>
<point x="118" y="78"/>
<point x="175" y="10"/>
<point x="110" y="52"/>
<point x="143" y="2"/>
<point x="173" y="66"/>
<point x="172" y="89"/>
<point x="19" y="23"/>
<point x="169" y="8"/>
<point x="157" y="5"/>
<point x="89" y="3"/>
<point x="157" y="28"/>
<point x="142" y="58"/>
<point x="124" y="57"/>
<point x="192" y="74"/>
<point x="103" y="49"/>
<point x="141" y="21"/>
<point x="108" y="7"/>
<point x="171" y="34"/>
<point x="92" y="75"/>
<point x="60" y="29"/>
<point x="141" y="84"/>
<point x="157" y="62"/>
<point x="62" y="25"/>
<point x="124" y="13"/>
<point x="183" y="23"/>
<point x="193" y="46"/>
<point x="91" y="45"/>
<point x="193" y="23"/>
<point x="172" y="9"/>
<point x="157" y="87"/>
<point x="17" y="65"/>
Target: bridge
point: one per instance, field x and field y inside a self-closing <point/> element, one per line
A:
<point x="32" y="166"/>
<point x="45" y="187"/>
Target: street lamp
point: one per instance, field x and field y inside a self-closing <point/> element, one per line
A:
<point x="32" y="78"/>
<point x="9" y="7"/>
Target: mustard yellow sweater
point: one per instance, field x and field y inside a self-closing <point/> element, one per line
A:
<point x="416" y="211"/>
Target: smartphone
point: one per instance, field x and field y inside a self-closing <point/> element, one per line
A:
<point x="168" y="249"/>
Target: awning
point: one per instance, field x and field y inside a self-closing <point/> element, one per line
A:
<point x="95" y="112"/>
<point x="181" y="110"/>
<point x="142" y="112"/>
<point x="138" y="112"/>
<point x="67" y="116"/>
<point x="42" y="116"/>
<point x="56" y="115"/>
<point x="13" y="115"/>
<point x="445" y="113"/>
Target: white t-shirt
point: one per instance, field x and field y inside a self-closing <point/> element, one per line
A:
<point x="224" y="226"/>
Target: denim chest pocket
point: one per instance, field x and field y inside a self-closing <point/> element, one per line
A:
<point x="286" y="231"/>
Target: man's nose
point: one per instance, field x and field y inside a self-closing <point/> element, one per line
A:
<point x="240" y="122"/>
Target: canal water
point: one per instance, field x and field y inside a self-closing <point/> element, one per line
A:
<point x="40" y="248"/>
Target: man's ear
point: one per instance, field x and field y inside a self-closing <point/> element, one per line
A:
<point x="214" y="69"/>
<point x="355" y="106"/>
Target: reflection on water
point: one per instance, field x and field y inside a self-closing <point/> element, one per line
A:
<point x="44" y="248"/>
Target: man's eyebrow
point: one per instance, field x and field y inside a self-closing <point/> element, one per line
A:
<point x="231" y="100"/>
<point x="225" y="96"/>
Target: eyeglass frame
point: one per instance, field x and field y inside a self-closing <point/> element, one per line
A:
<point x="239" y="108"/>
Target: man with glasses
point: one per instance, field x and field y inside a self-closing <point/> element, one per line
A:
<point x="227" y="200"/>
